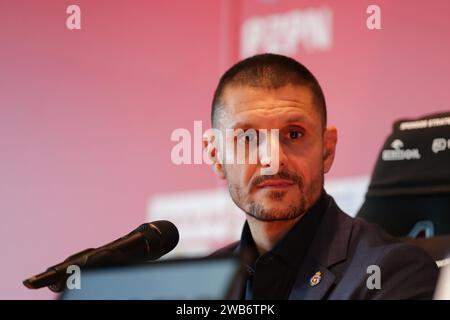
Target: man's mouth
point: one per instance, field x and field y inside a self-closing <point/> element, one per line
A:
<point x="279" y="183"/>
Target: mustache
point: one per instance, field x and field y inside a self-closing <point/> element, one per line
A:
<point x="284" y="174"/>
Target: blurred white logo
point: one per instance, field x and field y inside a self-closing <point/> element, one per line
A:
<point x="397" y="144"/>
<point x="398" y="154"/>
<point x="440" y="144"/>
<point x="284" y="33"/>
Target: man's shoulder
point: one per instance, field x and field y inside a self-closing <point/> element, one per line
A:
<point x="408" y="272"/>
<point x="371" y="234"/>
<point x="355" y="233"/>
<point x="375" y="241"/>
<point x="352" y="248"/>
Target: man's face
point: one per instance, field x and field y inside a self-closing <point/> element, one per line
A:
<point x="306" y="151"/>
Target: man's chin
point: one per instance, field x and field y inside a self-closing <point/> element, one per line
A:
<point x="272" y="218"/>
<point x="278" y="213"/>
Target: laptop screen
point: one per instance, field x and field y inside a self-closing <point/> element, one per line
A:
<point x="183" y="279"/>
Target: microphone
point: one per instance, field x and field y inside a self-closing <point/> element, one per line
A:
<point x="149" y="241"/>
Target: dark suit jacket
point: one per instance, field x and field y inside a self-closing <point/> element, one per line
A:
<point x="342" y="250"/>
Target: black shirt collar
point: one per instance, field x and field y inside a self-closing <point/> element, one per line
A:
<point x="292" y="248"/>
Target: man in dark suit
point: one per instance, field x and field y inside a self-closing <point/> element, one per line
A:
<point x="296" y="243"/>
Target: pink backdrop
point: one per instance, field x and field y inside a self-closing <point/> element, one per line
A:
<point x="86" y="115"/>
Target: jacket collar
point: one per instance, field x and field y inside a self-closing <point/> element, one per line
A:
<point x="329" y="247"/>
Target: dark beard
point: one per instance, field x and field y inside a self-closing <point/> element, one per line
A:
<point x="257" y="210"/>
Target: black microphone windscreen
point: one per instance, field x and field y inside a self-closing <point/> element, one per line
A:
<point x="167" y="231"/>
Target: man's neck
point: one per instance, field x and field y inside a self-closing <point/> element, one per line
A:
<point x="266" y="234"/>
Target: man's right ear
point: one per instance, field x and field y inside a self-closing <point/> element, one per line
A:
<point x="211" y="153"/>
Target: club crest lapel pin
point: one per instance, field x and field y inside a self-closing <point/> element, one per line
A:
<point x="315" y="279"/>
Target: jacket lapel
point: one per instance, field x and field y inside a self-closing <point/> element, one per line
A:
<point x="329" y="247"/>
<point x="304" y="287"/>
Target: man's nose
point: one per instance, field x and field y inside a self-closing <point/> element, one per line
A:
<point x="271" y="151"/>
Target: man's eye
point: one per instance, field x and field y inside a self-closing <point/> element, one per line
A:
<point x="295" y="134"/>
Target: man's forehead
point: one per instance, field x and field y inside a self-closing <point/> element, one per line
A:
<point x="250" y="104"/>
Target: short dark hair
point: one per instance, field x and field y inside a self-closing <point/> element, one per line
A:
<point x="271" y="71"/>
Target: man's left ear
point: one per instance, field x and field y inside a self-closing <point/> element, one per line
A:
<point x="329" y="147"/>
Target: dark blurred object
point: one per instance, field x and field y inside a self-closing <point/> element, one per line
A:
<point x="437" y="247"/>
<point x="409" y="191"/>
<point x="414" y="216"/>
